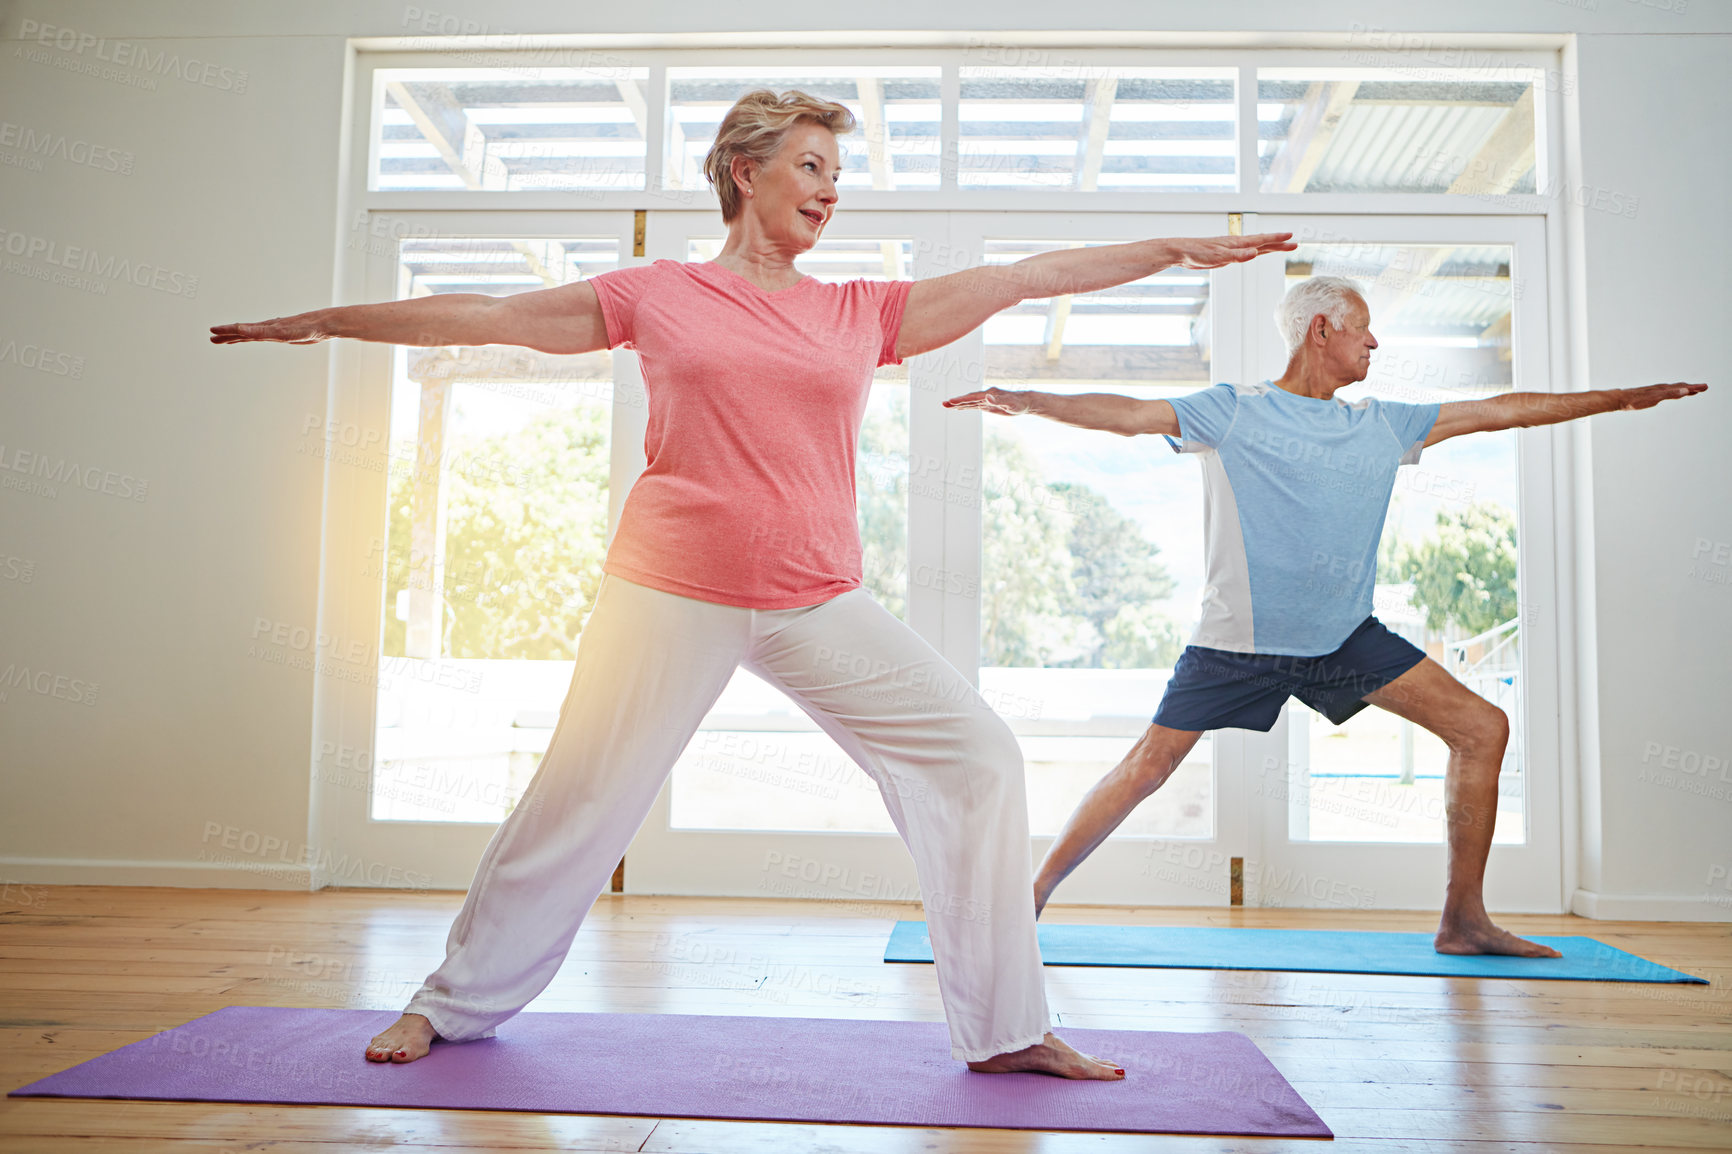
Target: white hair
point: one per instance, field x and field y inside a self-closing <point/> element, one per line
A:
<point x="1330" y="296"/>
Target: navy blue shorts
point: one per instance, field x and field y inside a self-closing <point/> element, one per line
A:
<point x="1215" y="689"/>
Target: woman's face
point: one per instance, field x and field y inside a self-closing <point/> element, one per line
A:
<point x="793" y="194"/>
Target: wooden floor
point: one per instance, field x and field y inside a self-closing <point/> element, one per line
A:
<point x="1391" y="1063"/>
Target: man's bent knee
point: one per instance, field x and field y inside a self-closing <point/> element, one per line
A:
<point x="1150" y="766"/>
<point x="1484" y="731"/>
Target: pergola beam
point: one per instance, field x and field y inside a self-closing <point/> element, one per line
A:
<point x="1313" y="129"/>
<point x="1097" y="122"/>
<point x="424" y="636"/>
<point x="1090" y="149"/>
<point x="1493" y="169"/>
<point x="871" y="90"/>
<point x="878" y="162"/>
<point x="439" y="115"/>
<point x="1057" y="315"/>
<point x="1506" y="154"/>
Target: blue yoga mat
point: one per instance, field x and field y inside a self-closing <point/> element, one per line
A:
<point x="1313" y="951"/>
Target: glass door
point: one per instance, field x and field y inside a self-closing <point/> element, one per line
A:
<point x="1091" y="554"/>
<point x="490" y="483"/>
<point x="1353" y="815"/>
<point x="1063" y="565"/>
<point x="1060" y="566"/>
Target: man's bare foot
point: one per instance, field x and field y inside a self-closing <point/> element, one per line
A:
<point x="1052" y="1055"/>
<point x="408" y="1038"/>
<point x="1487" y="939"/>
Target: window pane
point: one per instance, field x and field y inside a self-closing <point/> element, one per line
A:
<point x="511" y="128"/>
<point x="1384" y="130"/>
<point x="1092" y="543"/>
<point x="1446" y="575"/>
<point x="1168" y="130"/>
<point x="758" y="763"/>
<point x="897" y="110"/>
<point x="498" y="497"/>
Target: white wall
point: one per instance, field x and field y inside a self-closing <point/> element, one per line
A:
<point x="156" y="600"/>
<point x="1654" y="111"/>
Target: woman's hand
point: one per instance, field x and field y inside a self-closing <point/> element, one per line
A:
<point x="566" y="319"/>
<point x="941" y="309"/>
<point x="1216" y="251"/>
<point x="300" y="329"/>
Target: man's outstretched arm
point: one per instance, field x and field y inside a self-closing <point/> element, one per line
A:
<point x="1520" y="410"/>
<point x="1126" y="416"/>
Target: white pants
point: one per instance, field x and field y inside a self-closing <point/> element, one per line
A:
<point x="649" y="666"/>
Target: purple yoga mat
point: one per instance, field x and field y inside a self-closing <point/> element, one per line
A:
<point x="701" y="1066"/>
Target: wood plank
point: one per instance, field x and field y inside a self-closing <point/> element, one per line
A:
<point x="40" y="1120"/>
<point x="1394" y="1063"/>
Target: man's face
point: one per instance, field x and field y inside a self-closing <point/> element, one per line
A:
<point x="1347" y="350"/>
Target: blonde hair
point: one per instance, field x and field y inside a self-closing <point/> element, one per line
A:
<point x="755" y="128"/>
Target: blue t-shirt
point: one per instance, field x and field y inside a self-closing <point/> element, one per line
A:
<point x="1295" y="490"/>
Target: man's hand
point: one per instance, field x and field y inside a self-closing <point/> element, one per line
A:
<point x="1651" y="395"/>
<point x="1215" y="251"/>
<point x="1524" y="410"/>
<point x="1004" y="402"/>
<point x="1109" y="412"/>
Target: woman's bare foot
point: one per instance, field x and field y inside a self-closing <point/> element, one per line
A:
<point x="1050" y="1056"/>
<point x="1485" y="938"/>
<point x="408" y="1038"/>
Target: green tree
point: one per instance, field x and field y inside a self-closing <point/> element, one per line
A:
<point x="881" y="491"/>
<point x="1027" y="592"/>
<point x="1392" y="546"/>
<point x="1141" y="636"/>
<point x="525" y="533"/>
<point x="1114" y="569"/>
<point x="1465" y="572"/>
<point x="1068" y="580"/>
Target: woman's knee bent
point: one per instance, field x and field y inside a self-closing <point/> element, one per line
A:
<point x="988" y="741"/>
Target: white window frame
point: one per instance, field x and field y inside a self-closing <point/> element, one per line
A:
<point x="343" y="712"/>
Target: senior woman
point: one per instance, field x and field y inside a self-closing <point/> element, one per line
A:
<point x="739" y="545"/>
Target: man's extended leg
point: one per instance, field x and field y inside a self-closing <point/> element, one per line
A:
<point x="1476" y="732"/>
<point x="1150" y="762"/>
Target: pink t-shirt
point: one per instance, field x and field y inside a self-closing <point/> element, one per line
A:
<point x="755" y="403"/>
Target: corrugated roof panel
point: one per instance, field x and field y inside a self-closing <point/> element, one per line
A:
<point x="1403" y="147"/>
<point x="1467" y="290"/>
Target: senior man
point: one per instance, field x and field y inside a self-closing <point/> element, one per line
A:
<point x="1295" y="479"/>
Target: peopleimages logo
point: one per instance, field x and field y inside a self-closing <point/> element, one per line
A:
<point x="91" y="49"/>
<point x="91" y="262"/>
<point x="60" y="471"/>
<point x="40" y="358"/>
<point x="46" y="683"/>
<point x="58" y="146"/>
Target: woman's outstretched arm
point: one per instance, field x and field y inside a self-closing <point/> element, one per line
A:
<point x="940" y="309"/>
<point x="566" y="319"/>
